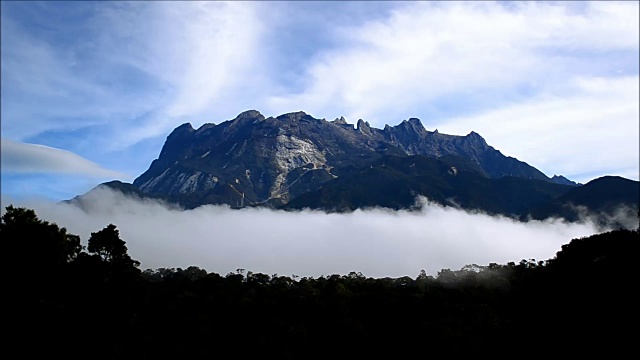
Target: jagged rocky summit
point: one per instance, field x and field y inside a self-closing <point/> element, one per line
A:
<point x="256" y="160"/>
<point x="296" y="161"/>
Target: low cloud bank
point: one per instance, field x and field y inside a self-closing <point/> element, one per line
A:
<point x="376" y="242"/>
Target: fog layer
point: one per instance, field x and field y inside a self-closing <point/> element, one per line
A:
<point x="376" y="242"/>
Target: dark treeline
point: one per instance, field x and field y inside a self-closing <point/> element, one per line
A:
<point x="95" y="303"/>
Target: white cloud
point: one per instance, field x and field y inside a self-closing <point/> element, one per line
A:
<point x="32" y="158"/>
<point x="540" y="81"/>
<point x="202" y="52"/>
<point x="594" y="129"/>
<point x="376" y="242"/>
<point x="137" y="69"/>
<point x="38" y="85"/>
<point x="223" y="43"/>
<point x="134" y="70"/>
<point x="478" y="52"/>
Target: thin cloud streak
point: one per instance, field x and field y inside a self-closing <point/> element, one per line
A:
<point x="375" y="242"/>
<point x="33" y="158"/>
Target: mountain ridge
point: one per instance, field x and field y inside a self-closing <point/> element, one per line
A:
<point x="276" y="147"/>
<point x="295" y="161"/>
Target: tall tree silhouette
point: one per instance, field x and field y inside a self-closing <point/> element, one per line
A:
<point x="44" y="246"/>
<point x="107" y="244"/>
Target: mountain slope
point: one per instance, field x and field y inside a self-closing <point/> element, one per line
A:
<point x="296" y="161"/>
<point x="414" y="139"/>
<point x="394" y="182"/>
<point x="258" y="160"/>
<point x="609" y="200"/>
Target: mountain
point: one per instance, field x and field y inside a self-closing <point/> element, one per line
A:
<point x="395" y="181"/>
<point x="254" y="160"/>
<point x="296" y="161"/>
<point x="414" y="139"/>
<point x="85" y="201"/>
<point x="559" y="179"/>
<point x="609" y="200"/>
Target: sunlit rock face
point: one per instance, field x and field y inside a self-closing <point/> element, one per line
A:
<point x="256" y="160"/>
<point x="295" y="161"/>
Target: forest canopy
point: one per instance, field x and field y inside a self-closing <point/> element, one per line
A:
<point x="98" y="293"/>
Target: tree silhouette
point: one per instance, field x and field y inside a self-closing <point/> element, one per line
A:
<point x="107" y="244"/>
<point x="587" y="290"/>
<point x="46" y="246"/>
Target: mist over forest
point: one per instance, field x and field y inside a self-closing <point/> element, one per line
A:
<point x="376" y="242"/>
<point x="70" y="296"/>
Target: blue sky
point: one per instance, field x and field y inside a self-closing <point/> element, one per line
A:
<point x="90" y="90"/>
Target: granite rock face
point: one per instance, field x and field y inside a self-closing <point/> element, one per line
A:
<point x="256" y="160"/>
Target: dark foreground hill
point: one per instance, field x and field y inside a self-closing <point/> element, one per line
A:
<point x="609" y="200"/>
<point x="96" y="303"/>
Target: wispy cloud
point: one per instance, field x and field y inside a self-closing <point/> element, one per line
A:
<point x="100" y="78"/>
<point x="481" y="52"/>
<point x="203" y="53"/>
<point x="594" y="128"/>
<point x="553" y="84"/>
<point x="32" y="158"/>
<point x="376" y="242"/>
<point x="157" y="64"/>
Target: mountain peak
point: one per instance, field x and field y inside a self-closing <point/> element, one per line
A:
<point x="277" y="159"/>
<point x="249" y="114"/>
<point x="559" y="179"/>
<point x="474" y="134"/>
<point x="177" y="140"/>
<point x="184" y="127"/>
<point x="363" y="126"/>
<point x="181" y="130"/>
<point x="475" y="138"/>
<point x="294" y="116"/>
<point x="341" y="121"/>
<point x="415" y="121"/>
<point x="413" y="124"/>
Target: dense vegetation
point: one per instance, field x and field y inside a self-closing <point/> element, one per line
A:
<point x="95" y="302"/>
<point x="394" y="181"/>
